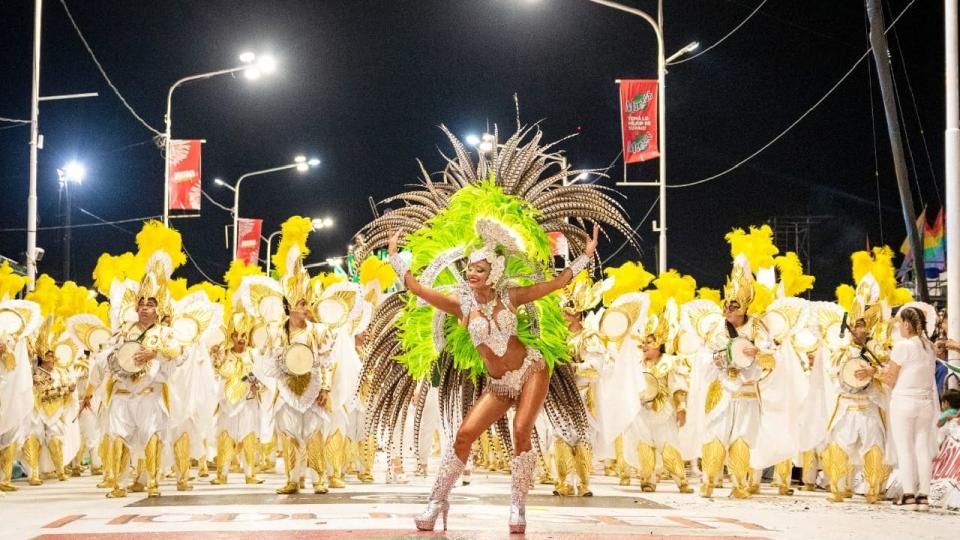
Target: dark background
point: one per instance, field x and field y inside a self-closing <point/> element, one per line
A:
<point x="364" y="84"/>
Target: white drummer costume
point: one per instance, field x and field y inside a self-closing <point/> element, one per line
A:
<point x="136" y="395"/>
<point x="18" y="319"/>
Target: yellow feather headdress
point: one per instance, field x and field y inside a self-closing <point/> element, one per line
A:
<point x="876" y="289"/>
<point x="582" y="294"/>
<point x="10" y="283"/>
<point x="293" y="234"/>
<point x="628" y="278"/>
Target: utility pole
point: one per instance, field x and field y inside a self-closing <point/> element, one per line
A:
<point x="881" y="57"/>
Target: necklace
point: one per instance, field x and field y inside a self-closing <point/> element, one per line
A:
<point x="486" y="308"/>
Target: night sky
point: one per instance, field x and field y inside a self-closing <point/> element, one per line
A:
<point x="363" y="85"/>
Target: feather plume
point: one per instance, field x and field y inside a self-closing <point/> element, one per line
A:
<point x="792" y="279"/>
<point x="756" y="245"/>
<point x="153" y="237"/>
<point x="10" y="283"/>
<point x="294" y="233"/>
<point x="627" y="278"/>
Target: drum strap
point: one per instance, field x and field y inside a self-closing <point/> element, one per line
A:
<point x="144" y="333"/>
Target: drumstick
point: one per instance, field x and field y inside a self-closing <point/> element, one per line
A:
<point x="843" y="324"/>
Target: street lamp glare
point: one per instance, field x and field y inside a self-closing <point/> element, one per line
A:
<point x="252" y="74"/>
<point x="303" y="167"/>
<point x="74" y="172"/>
<point x="485" y="146"/>
<point x="247" y="57"/>
<point x="328" y="222"/>
<point x="582" y="176"/>
<point x="267" y="64"/>
<point x="472" y="139"/>
<point x="317" y="223"/>
<point x="692" y="46"/>
<point x="313" y="162"/>
<point x="299" y="159"/>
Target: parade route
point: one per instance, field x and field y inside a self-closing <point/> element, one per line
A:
<point x="76" y="509"/>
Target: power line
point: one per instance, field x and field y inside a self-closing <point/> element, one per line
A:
<point x="104" y="73"/>
<point x="735" y="28"/>
<point x="14" y="120"/>
<point x="635" y="229"/>
<point x="85" y="225"/>
<point x="798" y="120"/>
<point x="197" y="266"/>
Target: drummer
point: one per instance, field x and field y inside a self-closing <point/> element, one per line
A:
<point x="238" y="413"/>
<point x="742" y="356"/>
<point x="298" y="359"/>
<point x="855" y="433"/>
<point x="657" y="426"/>
<point x="136" y="382"/>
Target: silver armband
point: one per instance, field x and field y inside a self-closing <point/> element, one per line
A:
<point x="578" y="265"/>
<point x="400" y="267"/>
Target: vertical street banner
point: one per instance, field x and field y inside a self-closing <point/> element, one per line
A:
<point x="183" y="177"/>
<point x="248" y="240"/>
<point x="638" y="118"/>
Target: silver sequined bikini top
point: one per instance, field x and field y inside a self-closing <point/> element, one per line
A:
<point x="494" y="333"/>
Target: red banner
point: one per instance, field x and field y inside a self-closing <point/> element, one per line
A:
<point x="638" y="117"/>
<point x="183" y="176"/>
<point x="248" y="240"/>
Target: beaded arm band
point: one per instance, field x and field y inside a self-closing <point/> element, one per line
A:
<point x="400" y="267"/>
<point x="578" y="265"/>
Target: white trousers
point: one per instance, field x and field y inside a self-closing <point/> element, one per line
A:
<point x="911" y="423"/>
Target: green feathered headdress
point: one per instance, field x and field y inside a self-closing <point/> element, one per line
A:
<point x="447" y="240"/>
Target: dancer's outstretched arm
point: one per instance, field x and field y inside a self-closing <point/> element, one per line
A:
<point x="431" y="296"/>
<point x="532" y="293"/>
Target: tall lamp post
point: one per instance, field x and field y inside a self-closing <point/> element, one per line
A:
<point x="253" y="68"/>
<point x="71" y="173"/>
<point x="662" y="61"/>
<point x="300" y="163"/>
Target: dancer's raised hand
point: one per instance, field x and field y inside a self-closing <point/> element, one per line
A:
<point x="592" y="244"/>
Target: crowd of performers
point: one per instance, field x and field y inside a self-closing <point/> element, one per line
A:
<point x="467" y="339"/>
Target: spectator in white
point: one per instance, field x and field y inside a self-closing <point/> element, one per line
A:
<point x="913" y="405"/>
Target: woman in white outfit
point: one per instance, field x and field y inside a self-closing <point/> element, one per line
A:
<point x="913" y="406"/>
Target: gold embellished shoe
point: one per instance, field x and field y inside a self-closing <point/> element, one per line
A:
<point x="290" y="488"/>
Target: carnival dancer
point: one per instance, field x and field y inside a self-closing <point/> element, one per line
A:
<point x="297" y="359"/>
<point x="852" y="405"/>
<point x="656" y="431"/>
<point x="511" y="198"/>
<point x="238" y="411"/>
<point x="53" y="388"/>
<point x="140" y="358"/>
<point x="576" y="456"/>
<point x="743" y="363"/>
<point x="20" y="319"/>
<point x="517" y="373"/>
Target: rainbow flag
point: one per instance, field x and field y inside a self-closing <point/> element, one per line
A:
<point x="934" y="246"/>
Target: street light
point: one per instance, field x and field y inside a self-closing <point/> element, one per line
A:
<point x="71" y="173"/>
<point x="300" y="163"/>
<point x="250" y="64"/>
<point x="322" y="223"/>
<point x="660" y="227"/>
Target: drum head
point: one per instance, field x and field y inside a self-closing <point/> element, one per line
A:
<point x="848" y="373"/>
<point x="651" y="387"/>
<point x="332" y="311"/>
<point x="65" y="353"/>
<point x="805" y="341"/>
<point x="125" y="357"/>
<point x="688" y="343"/>
<point x="298" y="358"/>
<point x="777" y="325"/>
<point x="97" y="338"/>
<point x="260" y="336"/>
<point x="11" y="322"/>
<point x="614" y="324"/>
<point x="185" y="329"/>
<point x="271" y="308"/>
<point x="737" y="357"/>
